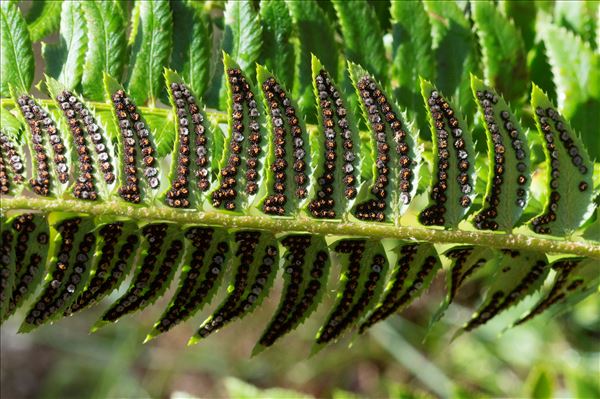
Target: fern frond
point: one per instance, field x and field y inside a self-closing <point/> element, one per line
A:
<point x="130" y="173"/>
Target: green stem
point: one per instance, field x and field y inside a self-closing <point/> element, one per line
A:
<point x="305" y="224"/>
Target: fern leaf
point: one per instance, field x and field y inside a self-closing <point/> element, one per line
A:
<point x="467" y="262"/>
<point x="362" y="36"/>
<point x="72" y="245"/>
<point x="288" y="185"/>
<point x="254" y="271"/>
<point x="117" y="244"/>
<point x="17" y="63"/>
<point x="316" y="35"/>
<point x="569" y="171"/>
<point x="333" y="149"/>
<point x="503" y="51"/>
<point x="575" y="279"/>
<point x="28" y="251"/>
<point x="202" y="272"/>
<point x="192" y="47"/>
<point x="575" y="69"/>
<point x="453" y="164"/>
<point x="393" y="140"/>
<point x="456" y="52"/>
<point x="508" y="157"/>
<point x="160" y="258"/>
<point x="277" y="51"/>
<point x="416" y="266"/>
<point x="151" y="50"/>
<point x="64" y="60"/>
<point x="361" y="284"/>
<point x="106" y="45"/>
<point x="243" y="145"/>
<point x="518" y="275"/>
<point x="243" y="33"/>
<point x="43" y="18"/>
<point x="306" y="270"/>
<point x="411" y="52"/>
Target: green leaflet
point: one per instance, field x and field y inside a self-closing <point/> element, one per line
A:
<point x="239" y="186"/>
<point x="43" y="18"/>
<point x="64" y="60"/>
<point x="163" y="128"/>
<point x="289" y="161"/>
<point x="117" y="243"/>
<point x="72" y="245"/>
<point x="160" y="256"/>
<point x="395" y="153"/>
<point x="277" y="49"/>
<point x="316" y="35"/>
<point x="106" y="45"/>
<point x="27" y="252"/>
<point x="575" y="279"/>
<point x="575" y="68"/>
<point x="191" y="54"/>
<point x="523" y="14"/>
<point x="133" y="130"/>
<point x="332" y="149"/>
<point x="508" y="158"/>
<point x="193" y="169"/>
<point x="243" y="33"/>
<point x="411" y="52"/>
<point x="453" y="162"/>
<point x="242" y="38"/>
<point x="518" y="275"/>
<point x="503" y="50"/>
<point x="255" y="267"/>
<point x="204" y="263"/>
<point x="7" y="264"/>
<point x="16" y="58"/>
<point x="47" y="144"/>
<point x="466" y="262"/>
<point x="150" y="51"/>
<point x="569" y="171"/>
<point x="11" y="125"/>
<point x="416" y="266"/>
<point x="12" y="179"/>
<point x="361" y="284"/>
<point x="99" y="149"/>
<point x="456" y="52"/>
<point x="363" y="37"/>
<point x="580" y="18"/>
<point x="306" y="270"/>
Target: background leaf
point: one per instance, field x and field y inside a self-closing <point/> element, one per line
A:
<point x="363" y="37"/>
<point x="43" y="18"/>
<point x="192" y="47"/>
<point x="411" y="54"/>
<point x="456" y="52"/>
<point x="64" y="60"/>
<point x="243" y="33"/>
<point x="315" y="34"/>
<point x="277" y="49"/>
<point x="576" y="67"/>
<point x="150" y="52"/>
<point x="105" y="22"/>
<point x="503" y="50"/>
<point x="16" y="64"/>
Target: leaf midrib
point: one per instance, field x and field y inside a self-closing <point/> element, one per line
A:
<point x="302" y="223"/>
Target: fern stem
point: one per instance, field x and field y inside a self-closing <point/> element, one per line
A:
<point x="305" y="224"/>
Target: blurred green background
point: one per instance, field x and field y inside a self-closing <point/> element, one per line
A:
<point x="547" y="357"/>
